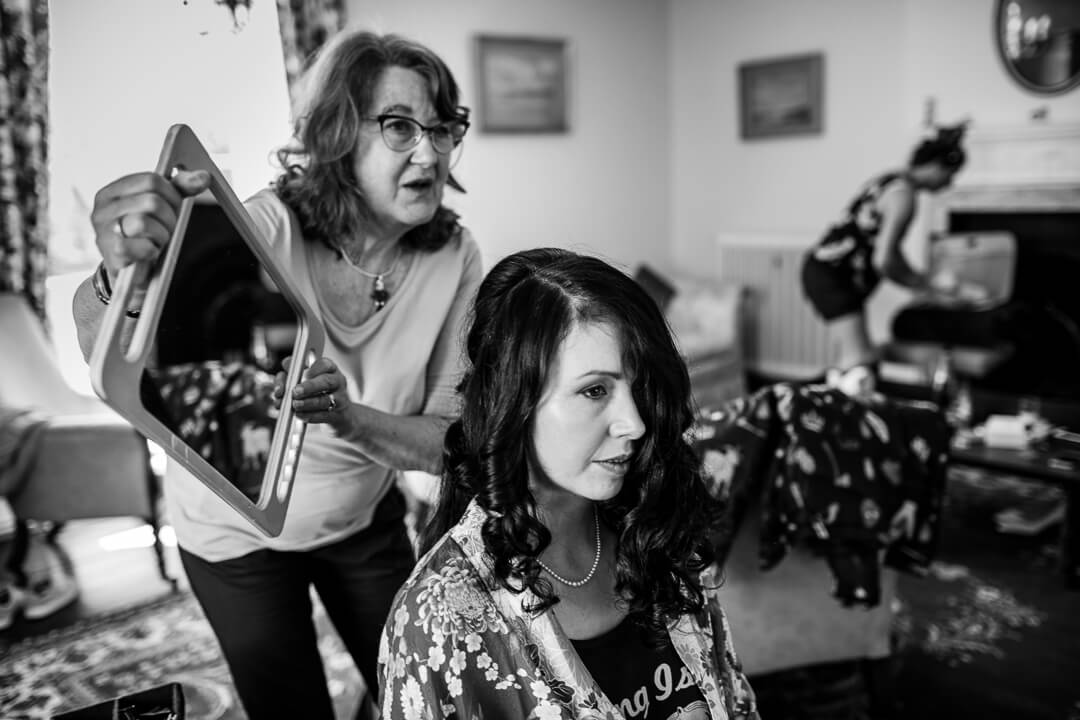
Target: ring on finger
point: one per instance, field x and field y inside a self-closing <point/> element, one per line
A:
<point x="118" y="227"/>
<point x="332" y="406"/>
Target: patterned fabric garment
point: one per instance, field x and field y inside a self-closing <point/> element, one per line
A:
<point x="848" y="480"/>
<point x="457" y="644"/>
<point x="225" y="411"/>
<point x="849" y="243"/>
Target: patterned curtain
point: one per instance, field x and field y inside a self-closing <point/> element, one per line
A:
<point x="24" y="116"/>
<point x="305" y="26"/>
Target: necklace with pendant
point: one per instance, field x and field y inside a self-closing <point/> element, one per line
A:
<point x="379" y="293"/>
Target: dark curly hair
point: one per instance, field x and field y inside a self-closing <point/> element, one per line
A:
<point x="318" y="182"/>
<point x="944" y="148"/>
<point x="663" y="515"/>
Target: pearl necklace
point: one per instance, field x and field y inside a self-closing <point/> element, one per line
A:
<point x="595" y="562"/>
<point x="379" y="293"/>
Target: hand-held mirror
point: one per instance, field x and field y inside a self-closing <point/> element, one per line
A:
<point x="220" y="313"/>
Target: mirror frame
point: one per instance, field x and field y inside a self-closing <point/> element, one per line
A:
<point x="1010" y="69"/>
<point x="116" y="368"/>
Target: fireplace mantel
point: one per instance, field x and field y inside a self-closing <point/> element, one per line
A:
<point x="1030" y="168"/>
<point x="1016" y="198"/>
<point x="1029" y="155"/>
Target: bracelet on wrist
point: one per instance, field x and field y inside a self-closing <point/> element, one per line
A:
<point x="103" y="288"/>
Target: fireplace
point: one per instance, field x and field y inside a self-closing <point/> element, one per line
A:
<point x="1042" y="319"/>
<point x="1026" y="181"/>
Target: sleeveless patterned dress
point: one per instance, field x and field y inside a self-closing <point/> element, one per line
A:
<point x="838" y="273"/>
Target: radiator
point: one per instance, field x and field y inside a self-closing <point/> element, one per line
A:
<point x="783" y="337"/>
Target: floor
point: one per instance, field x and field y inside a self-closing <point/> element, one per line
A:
<point x="115" y="567"/>
<point x="1005" y="647"/>
<point x="1031" y="681"/>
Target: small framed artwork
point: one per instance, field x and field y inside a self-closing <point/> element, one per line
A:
<point x="522" y="84"/>
<point x="781" y="96"/>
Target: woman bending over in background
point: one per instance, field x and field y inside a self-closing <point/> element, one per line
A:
<point x="564" y="569"/>
<point x="841" y="272"/>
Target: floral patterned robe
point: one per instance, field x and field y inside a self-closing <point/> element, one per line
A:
<point x="458" y="645"/>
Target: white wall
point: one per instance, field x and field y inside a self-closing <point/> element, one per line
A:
<point x="786" y="187"/>
<point x="951" y="55"/>
<point x="602" y="187"/>
<point x="652" y="169"/>
<point x="122" y="71"/>
<point x="884" y="59"/>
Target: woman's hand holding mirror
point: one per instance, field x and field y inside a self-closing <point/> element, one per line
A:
<point x="208" y="311"/>
<point x="320" y="397"/>
<point x="134" y="216"/>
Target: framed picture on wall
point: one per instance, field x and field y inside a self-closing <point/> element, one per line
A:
<point x="781" y="96"/>
<point x="522" y="84"/>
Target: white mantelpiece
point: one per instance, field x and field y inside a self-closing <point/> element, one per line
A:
<point x="1022" y="156"/>
<point x="1030" y="168"/>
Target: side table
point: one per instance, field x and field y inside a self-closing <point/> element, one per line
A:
<point x="1045" y="466"/>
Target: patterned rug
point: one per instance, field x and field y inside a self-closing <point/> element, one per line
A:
<point x="165" y="641"/>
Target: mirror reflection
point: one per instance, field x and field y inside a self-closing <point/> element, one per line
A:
<point x="225" y="328"/>
<point x="1039" y="42"/>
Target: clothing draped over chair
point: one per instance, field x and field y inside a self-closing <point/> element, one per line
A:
<point x="858" y="484"/>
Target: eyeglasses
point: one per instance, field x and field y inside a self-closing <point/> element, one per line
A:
<point x="402" y="133"/>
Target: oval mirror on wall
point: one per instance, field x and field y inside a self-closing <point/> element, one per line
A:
<point x="1039" y="43"/>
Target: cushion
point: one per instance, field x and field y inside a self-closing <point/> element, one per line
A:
<point x="704" y="315"/>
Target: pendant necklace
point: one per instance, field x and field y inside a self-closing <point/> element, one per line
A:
<point x="595" y="562"/>
<point x="379" y="293"/>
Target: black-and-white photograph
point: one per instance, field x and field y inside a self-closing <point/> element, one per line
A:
<point x="562" y="360"/>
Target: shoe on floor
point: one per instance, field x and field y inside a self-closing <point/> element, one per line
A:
<point x="52" y="589"/>
<point x="49" y="595"/>
<point x="11" y="601"/>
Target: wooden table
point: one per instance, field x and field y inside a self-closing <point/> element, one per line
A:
<point x="1043" y="465"/>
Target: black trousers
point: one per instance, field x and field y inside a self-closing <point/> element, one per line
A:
<point x="260" y="609"/>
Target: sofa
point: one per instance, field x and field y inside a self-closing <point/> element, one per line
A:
<point x="706" y="318"/>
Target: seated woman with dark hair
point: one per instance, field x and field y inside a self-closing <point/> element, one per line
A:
<point x="565" y="569"/>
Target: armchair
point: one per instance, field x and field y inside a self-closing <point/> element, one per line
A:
<point x="705" y="317"/>
<point x="90" y="462"/>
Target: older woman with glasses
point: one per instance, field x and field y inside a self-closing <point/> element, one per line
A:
<point x="357" y="215"/>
